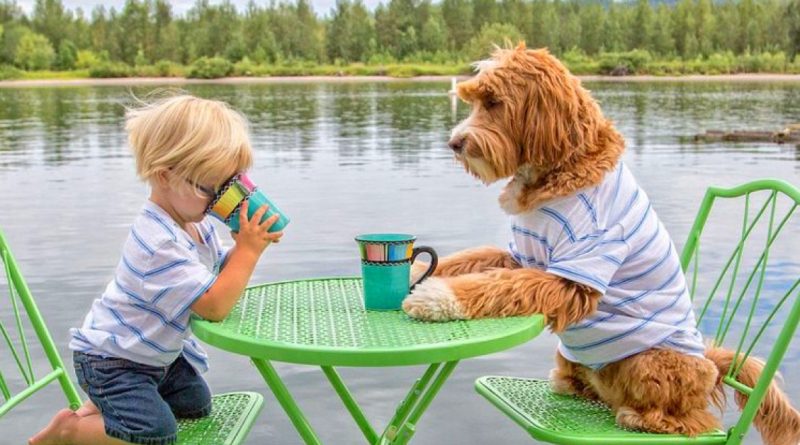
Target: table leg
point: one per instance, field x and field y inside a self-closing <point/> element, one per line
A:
<point x="400" y="428"/>
<point x="287" y="402"/>
<point x="408" y="402"/>
<point x="350" y="404"/>
<point x="403" y="425"/>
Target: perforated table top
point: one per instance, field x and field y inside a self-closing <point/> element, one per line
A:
<point x="323" y="322"/>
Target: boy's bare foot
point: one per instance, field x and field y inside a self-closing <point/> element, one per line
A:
<point x="53" y="433"/>
<point x="87" y="409"/>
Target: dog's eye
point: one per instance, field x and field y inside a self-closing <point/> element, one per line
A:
<point x="491" y="102"/>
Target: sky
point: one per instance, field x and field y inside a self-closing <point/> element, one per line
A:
<point x="179" y="7"/>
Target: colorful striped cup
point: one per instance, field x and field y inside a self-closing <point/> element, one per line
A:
<point x="386" y="260"/>
<point x="233" y="193"/>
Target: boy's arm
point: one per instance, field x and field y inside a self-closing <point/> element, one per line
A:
<point x="220" y="298"/>
<point x="216" y="303"/>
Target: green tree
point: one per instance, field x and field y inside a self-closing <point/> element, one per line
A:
<point x="683" y="29"/>
<point x="724" y="36"/>
<point x="165" y="40"/>
<point x="592" y="19"/>
<point x="338" y="33"/>
<point x="750" y="37"/>
<point x="569" y="35"/>
<point x="641" y="30"/>
<point x="495" y="34"/>
<point x="663" y="42"/>
<point x="793" y="14"/>
<point x="34" y="52"/>
<point x="434" y="34"/>
<point x="484" y="12"/>
<point x="297" y="30"/>
<point x="409" y="43"/>
<point x="258" y="36"/>
<point x="349" y="32"/>
<point x="457" y="16"/>
<point x="79" y="31"/>
<point x="51" y="20"/>
<point x="776" y="26"/>
<point x="362" y="34"/>
<point x="12" y="35"/>
<point x="235" y="50"/>
<point x="614" y="29"/>
<point x="132" y="32"/>
<point x="515" y="12"/>
<point x="10" y="11"/>
<point x="309" y="41"/>
<point x="704" y="26"/>
<point x="283" y="31"/>
<point x="396" y="22"/>
<point x="67" y="55"/>
<point x="211" y="28"/>
<point x="99" y="29"/>
<point x="543" y="31"/>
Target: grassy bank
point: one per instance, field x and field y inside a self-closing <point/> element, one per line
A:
<point x="617" y="64"/>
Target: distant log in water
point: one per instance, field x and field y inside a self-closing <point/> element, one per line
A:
<point x="788" y="134"/>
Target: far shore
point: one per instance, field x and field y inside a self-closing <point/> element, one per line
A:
<point x="134" y="81"/>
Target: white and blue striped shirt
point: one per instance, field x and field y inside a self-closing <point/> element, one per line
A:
<point x="143" y="315"/>
<point x="609" y="238"/>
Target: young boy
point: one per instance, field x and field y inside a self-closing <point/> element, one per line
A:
<point x="133" y="355"/>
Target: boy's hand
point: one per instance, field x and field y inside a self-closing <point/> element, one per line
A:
<point x="253" y="236"/>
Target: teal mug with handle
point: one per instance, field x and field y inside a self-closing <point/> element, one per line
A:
<point x="386" y="260"/>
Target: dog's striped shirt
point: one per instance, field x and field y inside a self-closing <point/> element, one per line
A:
<point x="143" y="315"/>
<point x="609" y="238"/>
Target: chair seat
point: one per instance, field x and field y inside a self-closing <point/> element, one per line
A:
<point x="232" y="415"/>
<point x="564" y="419"/>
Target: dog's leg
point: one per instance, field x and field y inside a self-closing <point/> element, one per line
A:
<point x="569" y="378"/>
<point x="502" y="293"/>
<point x="660" y="391"/>
<point x="477" y="259"/>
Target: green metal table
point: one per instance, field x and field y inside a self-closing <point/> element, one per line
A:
<point x="323" y="322"/>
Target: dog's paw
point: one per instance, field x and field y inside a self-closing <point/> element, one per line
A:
<point x="560" y="385"/>
<point x="433" y="300"/>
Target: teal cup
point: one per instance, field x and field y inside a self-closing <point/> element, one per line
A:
<point x="228" y="201"/>
<point x="386" y="260"/>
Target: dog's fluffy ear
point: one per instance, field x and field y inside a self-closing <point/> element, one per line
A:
<point x="474" y="89"/>
<point x="561" y="116"/>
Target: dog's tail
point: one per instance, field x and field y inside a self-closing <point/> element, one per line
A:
<point x="776" y="419"/>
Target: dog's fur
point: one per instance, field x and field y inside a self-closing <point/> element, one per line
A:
<point x="531" y="120"/>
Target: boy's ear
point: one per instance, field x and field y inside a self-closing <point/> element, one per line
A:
<point x="161" y="177"/>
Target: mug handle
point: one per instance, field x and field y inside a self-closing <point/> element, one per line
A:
<point x="431" y="267"/>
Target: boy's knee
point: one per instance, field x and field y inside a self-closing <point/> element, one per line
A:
<point x="197" y="404"/>
<point x="154" y="429"/>
<point x="164" y="426"/>
<point x="187" y="393"/>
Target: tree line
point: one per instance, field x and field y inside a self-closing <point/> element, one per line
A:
<point x="148" y="32"/>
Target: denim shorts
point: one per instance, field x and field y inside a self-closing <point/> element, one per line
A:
<point x="139" y="403"/>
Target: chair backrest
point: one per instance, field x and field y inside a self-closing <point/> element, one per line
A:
<point x="754" y="287"/>
<point x="24" y="310"/>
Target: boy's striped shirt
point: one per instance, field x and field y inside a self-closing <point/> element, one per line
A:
<point x="143" y="314"/>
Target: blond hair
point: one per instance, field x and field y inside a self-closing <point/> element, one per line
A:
<point x="195" y="138"/>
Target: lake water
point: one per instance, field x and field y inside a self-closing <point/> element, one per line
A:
<point x="342" y="159"/>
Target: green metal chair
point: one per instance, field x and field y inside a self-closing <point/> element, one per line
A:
<point x="232" y="414"/>
<point x="740" y="276"/>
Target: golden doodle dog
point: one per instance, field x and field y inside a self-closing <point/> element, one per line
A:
<point x="588" y="252"/>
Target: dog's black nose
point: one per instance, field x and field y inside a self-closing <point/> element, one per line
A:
<point x="457" y="144"/>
